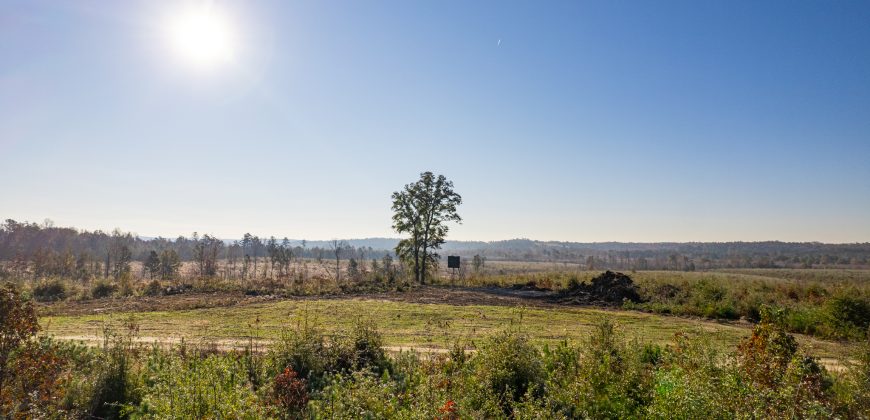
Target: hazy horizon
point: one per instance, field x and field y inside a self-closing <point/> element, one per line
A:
<point x="394" y="236"/>
<point x="565" y="121"/>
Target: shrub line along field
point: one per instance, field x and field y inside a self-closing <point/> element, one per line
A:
<point x="424" y="318"/>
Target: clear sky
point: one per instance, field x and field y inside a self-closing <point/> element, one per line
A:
<point x="581" y="121"/>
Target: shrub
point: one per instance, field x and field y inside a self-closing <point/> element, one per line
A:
<point x="853" y="392"/>
<point x="50" y="291"/>
<point x="721" y="310"/>
<point x="686" y="393"/>
<point x="508" y="367"/>
<point x="764" y="356"/>
<point x="103" y="289"/>
<point x="18" y="324"/>
<point x="114" y="386"/>
<point x="850" y="315"/>
<point x="361" y="348"/>
<point x="213" y="386"/>
<point x="38" y="385"/>
<point x="614" y="381"/>
<point x="776" y="378"/>
<point x="154" y="288"/>
<point x="289" y="392"/>
<point x="125" y="284"/>
<point x="303" y="350"/>
<point x="17" y="320"/>
<point x="360" y="395"/>
<point x="651" y="354"/>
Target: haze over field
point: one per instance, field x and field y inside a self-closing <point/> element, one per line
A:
<point x="570" y="121"/>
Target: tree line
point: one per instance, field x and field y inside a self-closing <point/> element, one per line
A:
<point x="421" y="210"/>
<point x="42" y="250"/>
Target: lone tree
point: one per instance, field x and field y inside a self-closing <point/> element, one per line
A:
<point x="152" y="264"/>
<point x="421" y="209"/>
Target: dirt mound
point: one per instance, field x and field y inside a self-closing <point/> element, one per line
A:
<point x="608" y="288"/>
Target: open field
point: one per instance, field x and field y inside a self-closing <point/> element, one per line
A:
<point x="429" y="317"/>
<point x="387" y="348"/>
<point x="507" y="272"/>
<point x="432" y="316"/>
<point x="841" y="276"/>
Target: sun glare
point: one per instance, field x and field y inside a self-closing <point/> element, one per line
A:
<point x="202" y="37"/>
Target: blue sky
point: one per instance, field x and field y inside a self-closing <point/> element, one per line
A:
<point x="582" y="121"/>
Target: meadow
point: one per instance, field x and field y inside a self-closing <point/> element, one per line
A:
<point x="478" y="345"/>
<point x="404" y="324"/>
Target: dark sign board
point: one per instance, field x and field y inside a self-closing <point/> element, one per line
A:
<point x="453" y="261"/>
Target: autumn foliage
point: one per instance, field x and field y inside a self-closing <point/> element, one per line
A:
<point x="290" y="392"/>
<point x="31" y="375"/>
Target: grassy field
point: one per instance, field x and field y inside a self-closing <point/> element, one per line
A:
<point x="567" y="361"/>
<point x="842" y="276"/>
<point x="407" y="324"/>
<point x="829" y="303"/>
<point x="508" y="272"/>
<point x="436" y="324"/>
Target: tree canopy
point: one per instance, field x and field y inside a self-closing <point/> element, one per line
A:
<point x="422" y="210"/>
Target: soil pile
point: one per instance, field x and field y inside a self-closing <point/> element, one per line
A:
<point x="609" y="288"/>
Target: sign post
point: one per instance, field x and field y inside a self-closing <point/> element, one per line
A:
<point x="453" y="264"/>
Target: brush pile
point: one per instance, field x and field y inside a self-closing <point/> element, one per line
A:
<point x="609" y="288"/>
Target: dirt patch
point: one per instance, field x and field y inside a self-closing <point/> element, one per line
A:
<point x="522" y="295"/>
<point x="256" y="345"/>
<point x="177" y="302"/>
<point x="492" y="296"/>
<point x="609" y="288"/>
<point x="530" y="286"/>
<point x="193" y="300"/>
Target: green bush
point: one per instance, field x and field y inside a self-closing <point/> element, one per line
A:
<point x="303" y="349"/>
<point x="850" y="315"/>
<point x="651" y="354"/>
<point x="48" y="291"/>
<point x="114" y="386"/>
<point x="103" y="289"/>
<point x="360" y="348"/>
<point x="613" y="379"/>
<point x="508" y="367"/>
<point x="359" y="395"/>
<point x="852" y="393"/>
<point x="213" y="386"/>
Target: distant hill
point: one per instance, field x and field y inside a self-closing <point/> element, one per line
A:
<point x="30" y="241"/>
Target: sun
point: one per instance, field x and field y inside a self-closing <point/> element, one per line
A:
<point x="202" y="37"/>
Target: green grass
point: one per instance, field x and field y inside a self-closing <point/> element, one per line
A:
<point x="412" y="324"/>
<point x="825" y="275"/>
<point x="811" y="296"/>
